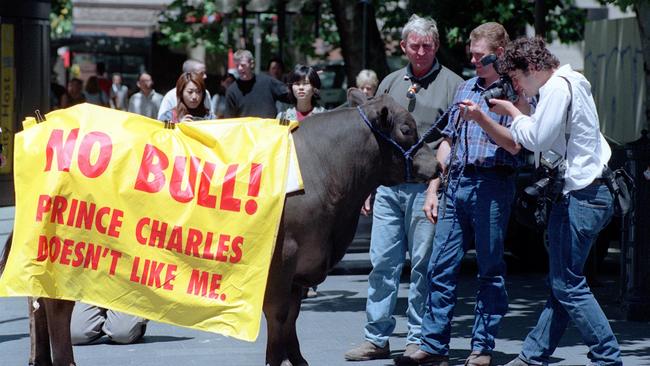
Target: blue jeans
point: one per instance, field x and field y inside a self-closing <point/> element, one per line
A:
<point x="479" y="212"/>
<point x="399" y="225"/>
<point x="573" y="226"/>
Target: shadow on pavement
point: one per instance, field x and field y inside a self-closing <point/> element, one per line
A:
<point x="13" y="337"/>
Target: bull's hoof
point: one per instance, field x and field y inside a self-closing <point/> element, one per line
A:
<point x="288" y="363"/>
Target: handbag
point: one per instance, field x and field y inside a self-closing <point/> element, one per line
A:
<point x="623" y="189"/>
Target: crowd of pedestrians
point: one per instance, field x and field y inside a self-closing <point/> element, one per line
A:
<point x="433" y="224"/>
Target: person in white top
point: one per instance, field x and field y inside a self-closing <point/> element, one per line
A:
<point x="565" y="122"/>
<point x="169" y="101"/>
<point x="146" y="102"/>
<point x="119" y="93"/>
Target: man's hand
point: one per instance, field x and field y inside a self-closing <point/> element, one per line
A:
<point x="504" y="108"/>
<point x="471" y="111"/>
<point x="430" y="207"/>
<point x="366" y="209"/>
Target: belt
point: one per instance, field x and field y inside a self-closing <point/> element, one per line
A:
<point x="502" y="170"/>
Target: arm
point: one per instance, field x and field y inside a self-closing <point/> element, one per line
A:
<point x="131" y="107"/>
<point x="281" y="91"/>
<point x="539" y="131"/>
<point x="166" y="103"/>
<point x="231" y="105"/>
<point x="500" y="134"/>
<point x="430" y="207"/>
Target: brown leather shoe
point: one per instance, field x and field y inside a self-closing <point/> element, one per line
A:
<point x="421" y="358"/>
<point x="478" y="359"/>
<point x="411" y="348"/>
<point x="368" y="351"/>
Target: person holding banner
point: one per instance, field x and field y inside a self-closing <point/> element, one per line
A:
<point x="191" y="94"/>
<point x="170" y="100"/>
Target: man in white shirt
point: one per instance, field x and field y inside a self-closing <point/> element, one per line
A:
<point x="565" y="122"/>
<point x="169" y="100"/>
<point x="146" y="102"/>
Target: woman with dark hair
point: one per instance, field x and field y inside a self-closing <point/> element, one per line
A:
<point x="94" y="94"/>
<point x="304" y="83"/>
<point x="190" y="93"/>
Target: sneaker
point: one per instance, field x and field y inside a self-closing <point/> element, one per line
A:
<point x="517" y="362"/>
<point x="421" y="358"/>
<point x="411" y="348"/>
<point x="478" y="359"/>
<point x="368" y="351"/>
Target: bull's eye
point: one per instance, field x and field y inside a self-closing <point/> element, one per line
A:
<point x="406" y="130"/>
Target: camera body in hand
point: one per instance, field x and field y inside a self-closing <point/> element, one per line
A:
<point x="502" y="89"/>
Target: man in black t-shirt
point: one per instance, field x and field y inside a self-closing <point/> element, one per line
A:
<point x="253" y="95"/>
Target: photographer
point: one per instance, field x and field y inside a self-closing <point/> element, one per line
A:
<point x="475" y="208"/>
<point x="565" y="122"/>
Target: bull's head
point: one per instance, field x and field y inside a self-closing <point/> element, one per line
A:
<point x="395" y="126"/>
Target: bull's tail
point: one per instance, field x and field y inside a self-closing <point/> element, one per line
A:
<point x="5" y="253"/>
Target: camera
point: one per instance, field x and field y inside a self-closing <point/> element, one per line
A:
<point x="550" y="177"/>
<point x="502" y="89"/>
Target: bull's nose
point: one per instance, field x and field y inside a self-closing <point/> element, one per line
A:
<point x="426" y="171"/>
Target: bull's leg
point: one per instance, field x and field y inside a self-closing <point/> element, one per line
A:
<point x="59" y="314"/>
<point x="277" y="300"/>
<point x="39" y="353"/>
<point x="289" y="331"/>
<point x="276" y="311"/>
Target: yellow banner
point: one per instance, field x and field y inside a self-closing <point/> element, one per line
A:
<point x="7" y="94"/>
<point x="174" y="225"/>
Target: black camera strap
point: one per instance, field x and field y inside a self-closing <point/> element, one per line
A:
<point x="567" y="129"/>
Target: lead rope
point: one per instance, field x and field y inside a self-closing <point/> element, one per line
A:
<point x="407" y="154"/>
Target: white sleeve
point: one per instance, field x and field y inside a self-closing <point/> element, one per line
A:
<point x="539" y="131"/>
<point x="167" y="103"/>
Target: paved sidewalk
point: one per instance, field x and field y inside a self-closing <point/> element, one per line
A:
<point x="332" y="323"/>
<point x="329" y="325"/>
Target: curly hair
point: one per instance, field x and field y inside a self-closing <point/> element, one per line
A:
<point x="527" y="54"/>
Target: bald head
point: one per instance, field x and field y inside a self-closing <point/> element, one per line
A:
<point x="196" y="66"/>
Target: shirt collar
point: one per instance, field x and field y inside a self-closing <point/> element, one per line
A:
<point x="434" y="68"/>
<point x="479" y="85"/>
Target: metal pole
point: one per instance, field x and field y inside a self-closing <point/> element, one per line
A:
<point x="243" y="25"/>
<point x="364" y="30"/>
<point x="257" y="41"/>
<point x="281" y="28"/>
<point x="317" y="22"/>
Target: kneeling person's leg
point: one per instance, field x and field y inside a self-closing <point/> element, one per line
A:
<point x="124" y="328"/>
<point x="86" y="324"/>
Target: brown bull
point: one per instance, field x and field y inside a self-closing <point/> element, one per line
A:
<point x="342" y="161"/>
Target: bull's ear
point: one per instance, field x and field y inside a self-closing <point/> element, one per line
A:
<point x="356" y="97"/>
<point x="383" y="121"/>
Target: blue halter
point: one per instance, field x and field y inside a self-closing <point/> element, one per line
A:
<point x="407" y="154"/>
